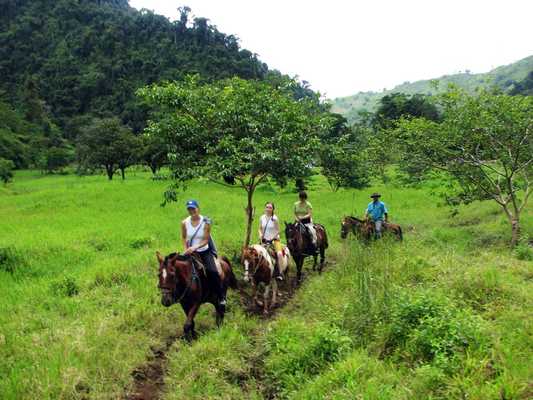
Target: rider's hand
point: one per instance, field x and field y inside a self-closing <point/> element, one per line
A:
<point x="189" y="250"/>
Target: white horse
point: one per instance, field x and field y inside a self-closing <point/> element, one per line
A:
<point x="259" y="268"/>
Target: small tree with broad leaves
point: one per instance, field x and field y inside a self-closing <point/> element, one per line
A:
<point x="484" y="141"/>
<point x="244" y="130"/>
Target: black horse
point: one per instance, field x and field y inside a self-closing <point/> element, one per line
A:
<point x="300" y="244"/>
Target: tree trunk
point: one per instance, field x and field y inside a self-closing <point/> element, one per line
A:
<point x="249" y="215"/>
<point x="109" y="170"/>
<point x="515" y="226"/>
<point x="153" y="167"/>
<point x="122" y="169"/>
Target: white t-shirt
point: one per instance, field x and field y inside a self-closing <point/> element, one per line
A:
<point x="268" y="227"/>
<point x="200" y="233"/>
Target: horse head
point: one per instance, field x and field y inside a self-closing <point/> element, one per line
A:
<point x="351" y="223"/>
<point x="294" y="236"/>
<point x="169" y="276"/>
<point x="250" y="258"/>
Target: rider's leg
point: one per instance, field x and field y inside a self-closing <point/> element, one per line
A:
<point x="212" y="272"/>
<point x="279" y="256"/>
<point x="379" y="228"/>
<point x="312" y="231"/>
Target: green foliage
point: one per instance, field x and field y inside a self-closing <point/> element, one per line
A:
<point x="343" y="156"/>
<point x="508" y="77"/>
<point x="426" y="327"/>
<point x="246" y="130"/>
<point x="83" y="68"/>
<point x="395" y="106"/>
<point x="56" y="158"/>
<point x="484" y="142"/>
<point x="6" y="170"/>
<point x="524" y="251"/>
<point x="108" y="144"/>
<point x="11" y="260"/>
<point x="292" y="361"/>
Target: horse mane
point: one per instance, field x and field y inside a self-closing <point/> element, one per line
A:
<point x="355" y="219"/>
<point x="177" y="256"/>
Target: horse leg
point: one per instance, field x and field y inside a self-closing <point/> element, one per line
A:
<point x="265" y="298"/>
<point x="322" y="259"/>
<point x="314" y="261"/>
<point x="220" y="310"/>
<point x="188" y="327"/>
<point x="299" y="264"/>
<point x="255" y="294"/>
<point x="274" y="293"/>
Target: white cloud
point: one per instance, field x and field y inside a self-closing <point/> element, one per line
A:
<point x="342" y="47"/>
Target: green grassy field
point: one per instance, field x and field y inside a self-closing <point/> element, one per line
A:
<point x="446" y="314"/>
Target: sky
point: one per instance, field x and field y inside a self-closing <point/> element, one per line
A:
<point x="342" y="47"/>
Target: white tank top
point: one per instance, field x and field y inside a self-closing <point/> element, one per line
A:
<point x="197" y="231"/>
<point x="268" y="227"/>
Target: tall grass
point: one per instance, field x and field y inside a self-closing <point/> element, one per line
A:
<point x="79" y="306"/>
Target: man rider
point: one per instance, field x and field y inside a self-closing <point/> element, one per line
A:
<point x="377" y="210"/>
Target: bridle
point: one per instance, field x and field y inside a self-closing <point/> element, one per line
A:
<point x="189" y="283"/>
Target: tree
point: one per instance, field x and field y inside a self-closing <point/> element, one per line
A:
<point x="343" y="155"/>
<point x="108" y="144"/>
<point x="6" y="170"/>
<point x="484" y="142"/>
<point x="154" y="152"/>
<point x="56" y="158"/>
<point x="235" y="128"/>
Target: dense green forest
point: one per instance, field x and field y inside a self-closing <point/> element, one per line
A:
<point x="515" y="78"/>
<point x="66" y="62"/>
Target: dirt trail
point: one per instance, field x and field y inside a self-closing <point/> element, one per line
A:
<point x="149" y="378"/>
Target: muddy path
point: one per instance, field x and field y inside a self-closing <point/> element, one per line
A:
<point x="149" y="378"/>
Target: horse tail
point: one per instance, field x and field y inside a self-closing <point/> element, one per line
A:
<point x="232" y="281"/>
<point x="400" y="234"/>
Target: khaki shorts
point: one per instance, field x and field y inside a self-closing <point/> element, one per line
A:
<point x="277" y="245"/>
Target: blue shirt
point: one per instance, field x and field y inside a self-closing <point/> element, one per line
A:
<point x="376" y="210"/>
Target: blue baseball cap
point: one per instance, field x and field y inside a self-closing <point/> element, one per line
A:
<point x="192" y="204"/>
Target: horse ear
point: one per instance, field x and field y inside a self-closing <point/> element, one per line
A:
<point x="159" y="258"/>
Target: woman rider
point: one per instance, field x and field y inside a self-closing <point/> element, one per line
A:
<point x="303" y="211"/>
<point x="269" y="234"/>
<point x="195" y="233"/>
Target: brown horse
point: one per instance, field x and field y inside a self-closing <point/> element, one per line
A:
<point x="182" y="280"/>
<point x="366" y="229"/>
<point x="259" y="268"/>
<point x="301" y="245"/>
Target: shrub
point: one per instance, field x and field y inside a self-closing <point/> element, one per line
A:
<point x="523" y="251"/>
<point x="6" y="170"/>
<point x="141" y="242"/>
<point x="110" y="280"/>
<point x="298" y="352"/>
<point x="10" y="260"/>
<point x="66" y="287"/>
<point x="426" y="328"/>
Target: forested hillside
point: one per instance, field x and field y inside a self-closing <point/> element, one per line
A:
<point x="510" y="78"/>
<point x="65" y="62"/>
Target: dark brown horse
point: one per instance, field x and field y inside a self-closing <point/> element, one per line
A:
<point x="300" y="244"/>
<point x="366" y="229"/>
<point x="183" y="281"/>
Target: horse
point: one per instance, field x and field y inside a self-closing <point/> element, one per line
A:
<point x="182" y="280"/>
<point x="357" y="226"/>
<point x="259" y="268"/>
<point x="301" y="246"/>
<point x="366" y="229"/>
